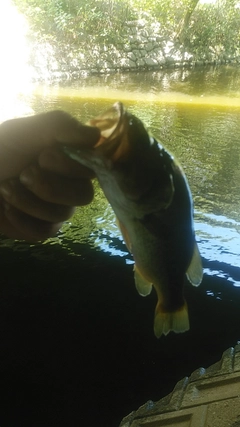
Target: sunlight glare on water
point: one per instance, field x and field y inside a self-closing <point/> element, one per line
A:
<point x="15" y="73"/>
<point x="98" y="93"/>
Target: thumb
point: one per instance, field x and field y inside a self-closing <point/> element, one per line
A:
<point x="80" y="135"/>
<point x="67" y="130"/>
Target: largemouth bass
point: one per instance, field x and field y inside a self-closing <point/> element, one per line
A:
<point x="150" y="196"/>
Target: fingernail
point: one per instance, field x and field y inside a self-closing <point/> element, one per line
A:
<point x="6" y="190"/>
<point x="27" y="176"/>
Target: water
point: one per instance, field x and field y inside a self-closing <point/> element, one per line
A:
<point x="76" y="337"/>
<point x="195" y="115"/>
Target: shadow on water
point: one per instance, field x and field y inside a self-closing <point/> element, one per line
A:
<point x="77" y="342"/>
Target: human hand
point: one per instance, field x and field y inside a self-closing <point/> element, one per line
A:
<point x="39" y="184"/>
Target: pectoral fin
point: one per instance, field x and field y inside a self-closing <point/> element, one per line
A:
<point x="195" y="271"/>
<point x="143" y="286"/>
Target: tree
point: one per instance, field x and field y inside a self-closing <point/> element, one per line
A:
<point x="184" y="24"/>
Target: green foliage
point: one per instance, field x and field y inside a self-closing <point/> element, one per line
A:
<point x="214" y="31"/>
<point x="73" y="21"/>
<point x="202" y="29"/>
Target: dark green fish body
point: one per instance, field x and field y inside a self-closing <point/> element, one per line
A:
<point x="152" y="201"/>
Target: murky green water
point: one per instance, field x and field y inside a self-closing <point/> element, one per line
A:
<point x="74" y="306"/>
<point x="195" y="115"/>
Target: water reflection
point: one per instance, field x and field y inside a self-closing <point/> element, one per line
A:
<point x="219" y="242"/>
<point x="107" y="236"/>
<point x="217" y="295"/>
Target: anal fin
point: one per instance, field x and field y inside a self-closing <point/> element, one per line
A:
<point x="143" y="286"/>
<point x="195" y="271"/>
<point x="176" y="321"/>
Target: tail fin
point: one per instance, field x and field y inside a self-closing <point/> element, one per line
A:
<point x="176" y="321"/>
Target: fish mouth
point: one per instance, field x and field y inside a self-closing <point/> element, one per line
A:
<point x="113" y="143"/>
<point x="109" y="121"/>
<point x="120" y="133"/>
<point x="102" y="155"/>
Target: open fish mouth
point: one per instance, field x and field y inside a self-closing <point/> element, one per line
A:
<point x="111" y="145"/>
<point x="108" y="122"/>
<point x="115" y="127"/>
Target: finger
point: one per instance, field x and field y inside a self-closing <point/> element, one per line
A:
<point x="54" y="160"/>
<point x="57" y="189"/>
<point x="17" y="225"/>
<point x="41" y="130"/>
<point x="23" y="139"/>
<point x="62" y="127"/>
<point x="16" y="195"/>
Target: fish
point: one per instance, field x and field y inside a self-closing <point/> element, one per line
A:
<point x="151" y="198"/>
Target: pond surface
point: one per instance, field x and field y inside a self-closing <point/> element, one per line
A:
<point x="77" y="340"/>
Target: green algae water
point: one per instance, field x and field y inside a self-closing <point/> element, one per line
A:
<point x="77" y="343"/>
